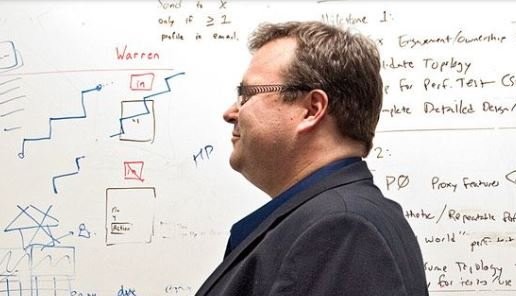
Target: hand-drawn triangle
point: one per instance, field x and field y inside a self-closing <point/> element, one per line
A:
<point x="32" y="218"/>
<point x="511" y="177"/>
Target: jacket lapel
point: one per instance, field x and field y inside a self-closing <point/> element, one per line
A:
<point x="352" y="173"/>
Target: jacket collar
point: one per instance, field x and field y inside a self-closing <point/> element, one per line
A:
<point x="349" y="174"/>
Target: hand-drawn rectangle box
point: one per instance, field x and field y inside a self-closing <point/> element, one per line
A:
<point x="138" y="121"/>
<point x="129" y="215"/>
<point x="8" y="58"/>
<point x="142" y="81"/>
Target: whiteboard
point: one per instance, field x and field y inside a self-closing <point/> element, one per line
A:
<point x="114" y="155"/>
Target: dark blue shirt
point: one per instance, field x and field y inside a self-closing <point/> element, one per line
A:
<point x="248" y="224"/>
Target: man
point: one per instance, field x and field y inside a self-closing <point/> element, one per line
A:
<point x="306" y="114"/>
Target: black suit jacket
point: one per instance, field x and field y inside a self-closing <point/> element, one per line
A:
<point x="339" y="237"/>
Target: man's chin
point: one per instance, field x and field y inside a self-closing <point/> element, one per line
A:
<point x="235" y="162"/>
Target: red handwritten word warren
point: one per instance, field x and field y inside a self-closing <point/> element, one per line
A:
<point x="128" y="55"/>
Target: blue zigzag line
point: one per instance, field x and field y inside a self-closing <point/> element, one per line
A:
<point x="145" y="99"/>
<point x="67" y="174"/>
<point x="21" y="155"/>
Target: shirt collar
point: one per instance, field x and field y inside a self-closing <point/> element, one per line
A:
<point x="248" y="224"/>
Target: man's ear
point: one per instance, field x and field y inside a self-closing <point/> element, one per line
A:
<point x="315" y="106"/>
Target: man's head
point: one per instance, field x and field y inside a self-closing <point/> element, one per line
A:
<point x="312" y="93"/>
<point x="344" y="65"/>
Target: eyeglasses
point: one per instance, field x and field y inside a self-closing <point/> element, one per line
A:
<point x="246" y="92"/>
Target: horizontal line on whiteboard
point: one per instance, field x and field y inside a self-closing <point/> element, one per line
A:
<point x="9" y="129"/>
<point x="12" y="112"/>
<point x="5" y="82"/>
<point x="446" y="129"/>
<point x="82" y="70"/>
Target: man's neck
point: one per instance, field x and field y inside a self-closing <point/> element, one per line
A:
<point x="305" y="166"/>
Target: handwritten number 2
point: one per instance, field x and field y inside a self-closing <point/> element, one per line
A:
<point x="379" y="152"/>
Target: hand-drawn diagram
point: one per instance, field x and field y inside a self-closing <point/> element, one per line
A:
<point x="142" y="81"/>
<point x="83" y="231"/>
<point x="124" y="119"/>
<point x="133" y="170"/>
<point x="130" y="215"/>
<point x="511" y="177"/>
<point x="54" y="179"/>
<point x="9" y="58"/>
<point x="21" y="155"/>
<point x="9" y="96"/>
<point x="35" y="227"/>
<point x="138" y="128"/>
<point x="42" y="266"/>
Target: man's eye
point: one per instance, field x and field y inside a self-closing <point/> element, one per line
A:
<point x="245" y="98"/>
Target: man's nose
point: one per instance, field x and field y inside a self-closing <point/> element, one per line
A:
<point x="231" y="114"/>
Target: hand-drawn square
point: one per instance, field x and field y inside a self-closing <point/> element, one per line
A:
<point x="137" y="120"/>
<point x="133" y="170"/>
<point x="8" y="58"/>
<point x="129" y="215"/>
